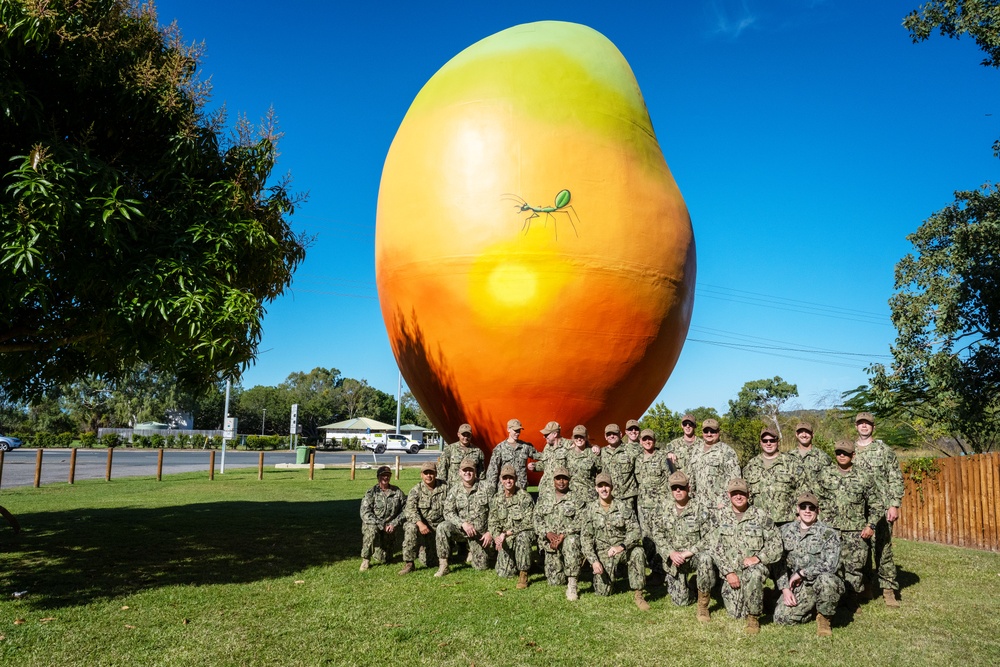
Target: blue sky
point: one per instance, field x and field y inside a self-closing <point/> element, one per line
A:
<point x="808" y="138"/>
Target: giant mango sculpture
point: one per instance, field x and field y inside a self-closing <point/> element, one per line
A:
<point x="533" y="254"/>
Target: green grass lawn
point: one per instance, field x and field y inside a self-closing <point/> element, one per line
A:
<point x="241" y="572"/>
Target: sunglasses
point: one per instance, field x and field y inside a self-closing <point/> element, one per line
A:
<point x="678" y="488"/>
<point x="709" y="430"/>
<point x="843" y="453"/>
<point x="632" y="428"/>
<point x="769" y="441"/>
<point x="809" y="507"/>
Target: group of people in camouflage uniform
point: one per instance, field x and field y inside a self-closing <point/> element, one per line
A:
<point x="685" y="511"/>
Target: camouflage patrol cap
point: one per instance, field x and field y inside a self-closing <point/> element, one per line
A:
<point x="678" y="479"/>
<point x="468" y="463"/>
<point x="465" y="428"/>
<point x="612" y="428"/>
<point x="551" y="427"/>
<point x="689" y="418"/>
<point x="561" y="471"/>
<point x="865" y="417"/>
<point x="508" y="471"/>
<point x="769" y="430"/>
<point x="710" y="423"/>
<point x="631" y="423"/>
<point x="603" y="478"/>
<point x="647" y="433"/>
<point x="844" y="446"/>
<point x="514" y="424"/>
<point x="383" y="470"/>
<point x="803" y="426"/>
<point x="807" y="497"/>
<point x="580" y="429"/>
<point x="737" y="484"/>
<point x="429" y="466"/>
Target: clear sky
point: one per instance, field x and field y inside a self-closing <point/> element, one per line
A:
<point x="808" y="137"/>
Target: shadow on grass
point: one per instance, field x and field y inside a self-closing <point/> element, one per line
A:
<point x="86" y="555"/>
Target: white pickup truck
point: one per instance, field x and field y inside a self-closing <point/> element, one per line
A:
<point x="381" y="442"/>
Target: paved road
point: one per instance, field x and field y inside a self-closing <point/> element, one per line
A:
<point x="19" y="465"/>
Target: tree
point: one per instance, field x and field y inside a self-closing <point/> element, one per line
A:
<point x="412" y="413"/>
<point x="762" y="399"/>
<point x="758" y="402"/>
<point x="135" y="228"/>
<point x="946" y="310"/>
<point x="319" y="395"/>
<point x="276" y="401"/>
<point x="359" y="398"/>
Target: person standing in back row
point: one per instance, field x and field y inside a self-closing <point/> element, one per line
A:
<point x="877" y="458"/>
<point x="712" y="466"/>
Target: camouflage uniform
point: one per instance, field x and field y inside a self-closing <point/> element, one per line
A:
<point x="735" y="539"/>
<point x="772" y="487"/>
<point x="515" y="515"/>
<point x="881" y="461"/>
<point x="710" y="473"/>
<point x="651" y="474"/>
<point x="550" y="458"/>
<point x="450" y="461"/>
<point x="852" y="504"/>
<point x="602" y="529"/>
<point x="682" y="449"/>
<point x="583" y="468"/>
<point x="811" y="465"/>
<point x="463" y="505"/>
<point x="619" y="462"/>
<point x="379" y="510"/>
<point x="815" y="554"/>
<point x="685" y="529"/>
<point x="427" y="505"/>
<point x="516" y="455"/>
<point x="559" y="515"/>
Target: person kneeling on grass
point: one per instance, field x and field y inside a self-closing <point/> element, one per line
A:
<point x="424" y="511"/>
<point x="809" y="578"/>
<point x="557" y="523"/>
<point x="381" y="518"/>
<point x="745" y="543"/>
<point x="511" y="527"/>
<point x="465" y="513"/>
<point x="611" y="540"/>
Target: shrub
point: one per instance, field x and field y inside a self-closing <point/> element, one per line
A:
<point x="111" y="440"/>
<point x="88" y="440"/>
<point x="155" y="441"/>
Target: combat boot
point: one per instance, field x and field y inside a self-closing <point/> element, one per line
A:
<point x="365" y="564"/>
<point x="704" y="599"/>
<point x="442" y="567"/>
<point x="823" y="626"/>
<point x="640" y="601"/>
<point x="522" y="580"/>
<point x="890" y="597"/>
<point x="571" y="593"/>
<point x="407" y="568"/>
<point x="753" y="625"/>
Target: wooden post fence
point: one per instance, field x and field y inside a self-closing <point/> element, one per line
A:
<point x="957" y="505"/>
<point x="260" y="466"/>
<point x="354" y="461"/>
<point x="107" y="469"/>
<point x="211" y="465"/>
<point x="72" y="465"/>
<point x="38" y="468"/>
<point x="159" y="466"/>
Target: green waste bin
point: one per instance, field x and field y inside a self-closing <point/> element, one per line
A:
<point x="302" y="454"/>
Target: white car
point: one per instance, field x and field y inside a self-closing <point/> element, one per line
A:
<point x="382" y="442"/>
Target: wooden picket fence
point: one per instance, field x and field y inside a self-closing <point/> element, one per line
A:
<point x="957" y="505"/>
